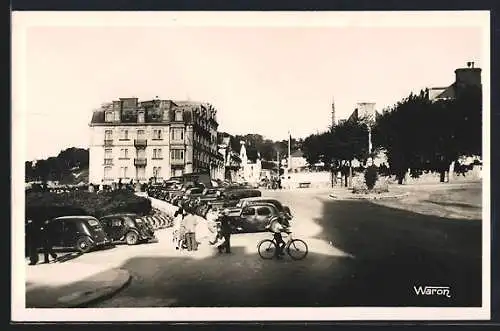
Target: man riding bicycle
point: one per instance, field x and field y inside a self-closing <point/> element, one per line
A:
<point x="277" y="225"/>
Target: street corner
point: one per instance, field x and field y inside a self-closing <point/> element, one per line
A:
<point x="54" y="286"/>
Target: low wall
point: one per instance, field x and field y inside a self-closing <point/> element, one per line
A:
<point x="317" y="179"/>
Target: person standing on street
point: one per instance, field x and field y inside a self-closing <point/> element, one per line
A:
<point x="190" y="225"/>
<point x="47" y="244"/>
<point x="225" y="231"/>
<point x="32" y="241"/>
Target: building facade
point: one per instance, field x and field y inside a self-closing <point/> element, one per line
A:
<point x="249" y="171"/>
<point x="158" y="139"/>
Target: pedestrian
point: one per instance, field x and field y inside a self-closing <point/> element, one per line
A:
<point x="47" y="243"/>
<point x="120" y="184"/>
<point x="190" y="226"/>
<point x="177" y="228"/>
<point x="225" y="232"/>
<point x="32" y="241"/>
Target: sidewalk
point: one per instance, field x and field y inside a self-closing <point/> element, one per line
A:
<point x="71" y="284"/>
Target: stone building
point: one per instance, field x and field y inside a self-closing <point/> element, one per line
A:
<point x="139" y="140"/>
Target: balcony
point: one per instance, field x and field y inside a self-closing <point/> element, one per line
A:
<point x="177" y="162"/>
<point x="108" y="161"/>
<point x="108" y="142"/>
<point x="140" y="162"/>
<point x="140" y="143"/>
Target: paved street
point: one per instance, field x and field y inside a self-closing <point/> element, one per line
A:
<point x="361" y="254"/>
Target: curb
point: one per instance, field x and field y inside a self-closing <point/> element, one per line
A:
<point x="106" y="295"/>
<point x="366" y="197"/>
<point x="88" y="295"/>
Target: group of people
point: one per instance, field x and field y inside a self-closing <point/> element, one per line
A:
<point x="185" y="229"/>
<point x="38" y="237"/>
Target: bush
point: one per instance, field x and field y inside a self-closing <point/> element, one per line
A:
<point x="371" y="176"/>
<point x="46" y="205"/>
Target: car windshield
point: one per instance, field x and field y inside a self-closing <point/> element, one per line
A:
<point x="138" y="220"/>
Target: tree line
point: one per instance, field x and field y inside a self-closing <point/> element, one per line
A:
<point x="415" y="133"/>
<point x="57" y="168"/>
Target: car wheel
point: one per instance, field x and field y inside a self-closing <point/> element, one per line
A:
<point x="131" y="238"/>
<point x="83" y="245"/>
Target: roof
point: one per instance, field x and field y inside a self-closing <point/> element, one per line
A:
<point x="442" y="92"/>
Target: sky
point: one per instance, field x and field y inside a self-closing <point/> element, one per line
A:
<point x="261" y="79"/>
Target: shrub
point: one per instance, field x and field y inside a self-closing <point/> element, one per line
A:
<point x="44" y="205"/>
<point x="371" y="176"/>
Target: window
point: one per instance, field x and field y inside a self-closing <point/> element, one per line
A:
<point x="108" y="135"/>
<point x="178" y="115"/>
<point x="263" y="211"/>
<point x="124" y="153"/>
<point x="108" y="153"/>
<point x="109" y="116"/>
<point x="177" y="154"/>
<point x="123" y="172"/>
<point x="157" y="172"/>
<point x="248" y="212"/>
<point x="107" y="172"/>
<point x="157" y="134"/>
<point x="124" y="135"/>
<point x="177" y="134"/>
<point x="157" y="153"/>
<point x="116" y="222"/>
<point x="140" y="134"/>
<point x="140" y="117"/>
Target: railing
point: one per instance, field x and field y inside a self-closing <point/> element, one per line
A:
<point x="108" y="142"/>
<point x="177" y="161"/>
<point x="108" y="161"/>
<point x="140" y="162"/>
<point x="140" y="142"/>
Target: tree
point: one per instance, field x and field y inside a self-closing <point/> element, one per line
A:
<point x="418" y="134"/>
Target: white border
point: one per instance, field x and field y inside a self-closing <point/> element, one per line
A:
<point x="21" y="21"/>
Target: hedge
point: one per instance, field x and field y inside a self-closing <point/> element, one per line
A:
<point x="46" y="205"/>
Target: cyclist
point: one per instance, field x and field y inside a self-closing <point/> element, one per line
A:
<point x="277" y="225"/>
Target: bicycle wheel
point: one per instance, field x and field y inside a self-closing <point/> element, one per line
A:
<point x="267" y="249"/>
<point x="297" y="249"/>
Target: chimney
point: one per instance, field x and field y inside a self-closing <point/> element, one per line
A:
<point x="469" y="76"/>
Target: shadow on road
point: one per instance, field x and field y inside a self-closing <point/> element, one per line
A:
<point x="396" y="249"/>
<point x="393" y="250"/>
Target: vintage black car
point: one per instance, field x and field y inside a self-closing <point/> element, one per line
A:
<point x="232" y="197"/>
<point x="284" y="210"/>
<point x="127" y="227"/>
<point x="83" y="233"/>
<point x="254" y="218"/>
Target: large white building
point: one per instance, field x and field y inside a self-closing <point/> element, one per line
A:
<point x="132" y="140"/>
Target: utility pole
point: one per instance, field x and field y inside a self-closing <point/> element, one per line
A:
<point x="278" y="161"/>
<point x="289" y="163"/>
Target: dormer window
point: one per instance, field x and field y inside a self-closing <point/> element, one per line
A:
<point x="109" y="116"/>
<point x="140" y="117"/>
<point x="178" y="115"/>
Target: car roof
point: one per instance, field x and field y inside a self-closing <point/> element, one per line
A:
<point x="261" y="204"/>
<point x="119" y="214"/>
<point x="259" y="198"/>
<point x="76" y="217"/>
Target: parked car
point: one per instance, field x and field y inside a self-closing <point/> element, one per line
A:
<point x="285" y="210"/>
<point x="232" y="197"/>
<point x="127" y="227"/>
<point x="83" y="233"/>
<point x="253" y="218"/>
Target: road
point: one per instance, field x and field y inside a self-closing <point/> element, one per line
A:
<point x="361" y="254"/>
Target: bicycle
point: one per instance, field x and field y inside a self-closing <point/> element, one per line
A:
<point x="296" y="248"/>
